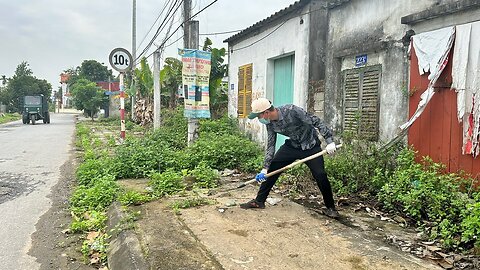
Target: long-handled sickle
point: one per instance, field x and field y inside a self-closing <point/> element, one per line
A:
<point x="300" y="161"/>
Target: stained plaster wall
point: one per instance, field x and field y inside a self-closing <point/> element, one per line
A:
<point x="463" y="17"/>
<point x="291" y="38"/>
<point x="371" y="27"/>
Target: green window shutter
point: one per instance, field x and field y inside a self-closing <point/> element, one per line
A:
<point x="369" y="104"/>
<point x="361" y="102"/>
<point x="351" y="101"/>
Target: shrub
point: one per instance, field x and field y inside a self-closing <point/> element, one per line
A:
<point x="190" y="202"/>
<point x="89" y="221"/>
<point x="359" y="167"/>
<point x="226" y="151"/>
<point x="222" y="126"/>
<point x="132" y="197"/>
<point x="470" y="225"/>
<point x="424" y="193"/>
<point x="92" y="169"/>
<point x="205" y="177"/>
<point x="97" y="197"/>
<point x="168" y="182"/>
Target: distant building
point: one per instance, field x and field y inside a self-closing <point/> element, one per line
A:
<point x="65" y="101"/>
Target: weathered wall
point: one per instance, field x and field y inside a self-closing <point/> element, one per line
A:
<point x="370" y="27"/>
<point x="291" y="38"/>
<point x="317" y="52"/>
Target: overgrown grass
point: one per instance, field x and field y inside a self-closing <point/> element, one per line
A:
<point x="445" y="206"/>
<point x="9" y="117"/>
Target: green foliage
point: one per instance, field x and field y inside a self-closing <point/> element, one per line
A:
<point x="144" y="79"/>
<point x="218" y="90"/>
<point x="425" y="193"/>
<point x="96" y="197"/>
<point x="87" y="96"/>
<point x="94" y="71"/>
<point x="89" y="221"/>
<point x="171" y="79"/>
<point x="23" y="83"/>
<point x="97" y="245"/>
<point x="226" y="151"/>
<point x="132" y="197"/>
<point x="205" y="177"/>
<point x="190" y="202"/>
<point x="359" y="167"/>
<point x="9" y="117"/>
<point x="96" y="168"/>
<point x="222" y="126"/>
<point x="166" y="183"/>
<point x="470" y="226"/>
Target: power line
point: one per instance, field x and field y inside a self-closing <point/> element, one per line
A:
<point x="220" y="33"/>
<point x="193" y="16"/>
<point x="213" y="2"/>
<point x="162" y="25"/>
<point x="241" y="48"/>
<point x="273" y="31"/>
<point x="151" y="27"/>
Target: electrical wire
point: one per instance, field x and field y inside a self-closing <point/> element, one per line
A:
<point x="176" y="29"/>
<point x="169" y="15"/>
<point x="273" y="31"/>
<point x="151" y="27"/>
<point x="220" y="33"/>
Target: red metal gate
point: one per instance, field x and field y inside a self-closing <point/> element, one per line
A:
<point x="437" y="133"/>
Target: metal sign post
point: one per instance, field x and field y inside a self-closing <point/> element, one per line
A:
<point x="121" y="60"/>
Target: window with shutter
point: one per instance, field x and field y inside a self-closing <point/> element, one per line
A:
<point x="244" y="90"/>
<point x="361" y="102"/>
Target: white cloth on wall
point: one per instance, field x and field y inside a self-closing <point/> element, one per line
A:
<point x="459" y="69"/>
<point x="473" y="84"/>
<point x="466" y="82"/>
<point x="430" y="48"/>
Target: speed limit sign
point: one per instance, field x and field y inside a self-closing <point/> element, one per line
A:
<point x="120" y="59"/>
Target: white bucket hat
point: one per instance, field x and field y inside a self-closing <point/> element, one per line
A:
<point x="259" y="106"/>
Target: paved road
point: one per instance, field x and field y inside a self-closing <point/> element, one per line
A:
<point x="30" y="160"/>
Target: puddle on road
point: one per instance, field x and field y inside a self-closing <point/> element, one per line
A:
<point x="15" y="185"/>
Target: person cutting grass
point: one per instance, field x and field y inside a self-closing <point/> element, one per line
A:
<point x="300" y="126"/>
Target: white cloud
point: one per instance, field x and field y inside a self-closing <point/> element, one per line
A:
<point x="54" y="35"/>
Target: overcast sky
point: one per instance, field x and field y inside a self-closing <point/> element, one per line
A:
<point x="54" y="35"/>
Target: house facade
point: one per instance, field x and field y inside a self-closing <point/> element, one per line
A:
<point x="346" y="61"/>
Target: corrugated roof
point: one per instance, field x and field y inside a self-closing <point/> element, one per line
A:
<point x="277" y="15"/>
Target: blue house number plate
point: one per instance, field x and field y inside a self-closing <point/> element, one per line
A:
<point x="360" y="60"/>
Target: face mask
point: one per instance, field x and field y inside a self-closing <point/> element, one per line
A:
<point x="264" y="121"/>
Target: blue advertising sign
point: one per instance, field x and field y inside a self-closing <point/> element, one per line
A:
<point x="360" y="60"/>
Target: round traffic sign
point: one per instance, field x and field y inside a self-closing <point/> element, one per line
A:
<point x="120" y="59"/>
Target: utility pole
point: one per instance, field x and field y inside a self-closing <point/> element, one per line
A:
<point x="190" y="41"/>
<point x="156" y="89"/>
<point x="134" y="56"/>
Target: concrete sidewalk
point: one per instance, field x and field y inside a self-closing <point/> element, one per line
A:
<point x="284" y="236"/>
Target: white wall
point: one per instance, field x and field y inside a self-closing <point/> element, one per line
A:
<point x="290" y="38"/>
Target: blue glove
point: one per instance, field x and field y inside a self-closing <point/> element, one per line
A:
<point x="261" y="177"/>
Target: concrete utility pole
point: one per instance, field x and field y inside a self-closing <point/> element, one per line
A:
<point x="190" y="41"/>
<point x="156" y="89"/>
<point x="134" y="55"/>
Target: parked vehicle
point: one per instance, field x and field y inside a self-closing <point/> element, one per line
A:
<point x="35" y="108"/>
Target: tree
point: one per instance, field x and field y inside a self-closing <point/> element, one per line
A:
<point x="171" y="78"/>
<point x="87" y="96"/>
<point x="23" y="83"/>
<point x="94" y="71"/>
<point x="218" y="91"/>
<point x="144" y="80"/>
